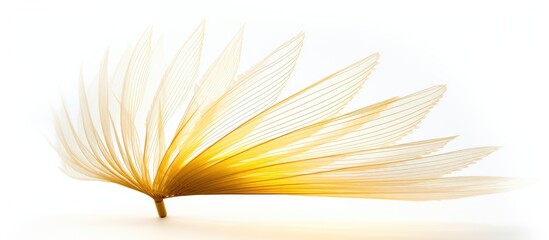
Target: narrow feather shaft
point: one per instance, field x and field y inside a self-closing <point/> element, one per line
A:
<point x="160" y="208"/>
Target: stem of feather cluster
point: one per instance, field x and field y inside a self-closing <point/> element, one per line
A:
<point x="160" y="208"/>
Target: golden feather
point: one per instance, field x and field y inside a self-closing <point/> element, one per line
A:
<point x="227" y="134"/>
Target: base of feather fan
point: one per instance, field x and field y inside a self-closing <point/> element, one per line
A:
<point x="160" y="208"/>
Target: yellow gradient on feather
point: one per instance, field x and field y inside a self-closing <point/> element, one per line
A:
<point x="233" y="136"/>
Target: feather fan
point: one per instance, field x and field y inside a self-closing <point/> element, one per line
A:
<point x="226" y="134"/>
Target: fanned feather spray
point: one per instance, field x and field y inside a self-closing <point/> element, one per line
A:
<point x="227" y="134"/>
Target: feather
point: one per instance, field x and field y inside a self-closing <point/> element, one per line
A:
<point x="231" y="134"/>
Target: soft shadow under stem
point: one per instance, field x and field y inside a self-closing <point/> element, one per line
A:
<point x="160" y="208"/>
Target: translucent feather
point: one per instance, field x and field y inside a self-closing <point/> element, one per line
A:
<point x="231" y="135"/>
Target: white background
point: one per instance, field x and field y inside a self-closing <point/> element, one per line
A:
<point x="493" y="56"/>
